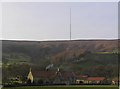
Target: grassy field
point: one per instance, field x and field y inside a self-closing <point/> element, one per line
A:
<point x="65" y="87"/>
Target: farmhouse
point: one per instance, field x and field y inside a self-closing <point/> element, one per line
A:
<point x="54" y="77"/>
<point x="95" y="80"/>
<point x="81" y="79"/>
<point x="64" y="77"/>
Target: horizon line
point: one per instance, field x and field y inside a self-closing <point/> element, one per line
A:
<point x="58" y="39"/>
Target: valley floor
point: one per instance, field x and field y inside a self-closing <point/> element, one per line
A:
<point x="67" y="87"/>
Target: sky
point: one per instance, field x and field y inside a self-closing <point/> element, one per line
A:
<point x="51" y="20"/>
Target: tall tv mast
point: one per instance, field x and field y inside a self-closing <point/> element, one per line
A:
<point x="70" y="23"/>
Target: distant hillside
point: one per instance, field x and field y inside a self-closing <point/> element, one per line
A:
<point x="79" y="55"/>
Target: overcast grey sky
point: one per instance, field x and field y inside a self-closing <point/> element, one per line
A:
<point x="51" y="20"/>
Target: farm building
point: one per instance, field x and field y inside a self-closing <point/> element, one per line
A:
<point x="81" y="79"/>
<point x="65" y="77"/>
<point x="54" y="77"/>
<point x="95" y="80"/>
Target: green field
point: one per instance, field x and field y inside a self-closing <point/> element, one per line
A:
<point x="65" y="87"/>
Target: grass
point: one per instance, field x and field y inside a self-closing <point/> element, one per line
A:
<point x="66" y="87"/>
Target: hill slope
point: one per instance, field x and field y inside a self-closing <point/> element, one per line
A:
<point x="84" y="56"/>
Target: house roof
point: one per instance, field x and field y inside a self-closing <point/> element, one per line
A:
<point x="51" y="74"/>
<point x="95" y="78"/>
<point x="43" y="74"/>
<point x="82" y="77"/>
